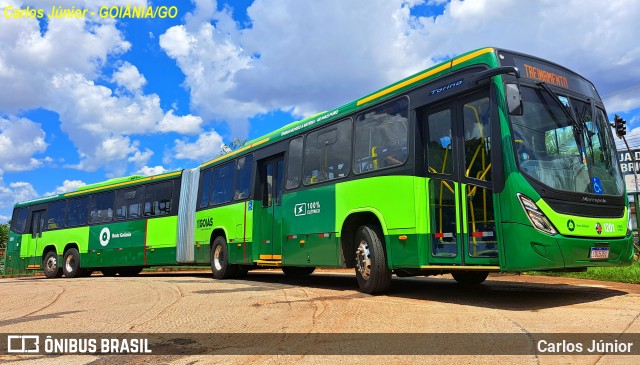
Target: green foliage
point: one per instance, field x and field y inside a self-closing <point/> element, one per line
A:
<point x="235" y="144"/>
<point x="4" y="235"/>
<point x="624" y="274"/>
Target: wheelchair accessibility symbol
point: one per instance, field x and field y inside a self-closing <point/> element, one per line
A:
<point x="597" y="185"/>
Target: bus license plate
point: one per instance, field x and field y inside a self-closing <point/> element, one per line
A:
<point x="599" y="253"/>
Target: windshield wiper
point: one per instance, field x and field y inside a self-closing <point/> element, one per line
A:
<point x="574" y="123"/>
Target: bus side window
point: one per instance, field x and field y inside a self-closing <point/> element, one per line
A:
<point x="19" y="220"/>
<point x="158" y="199"/>
<point x="205" y="188"/>
<point x="381" y="136"/>
<point x="325" y="150"/>
<point x="101" y="208"/>
<point x="243" y="177"/>
<point x="55" y="214"/>
<point x="294" y="166"/>
<point x="77" y="212"/>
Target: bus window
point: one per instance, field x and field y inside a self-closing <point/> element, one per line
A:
<point x="243" y="177"/>
<point x="439" y="147"/>
<point x="19" y="220"/>
<point x="327" y="153"/>
<point x="222" y="183"/>
<point x="77" y="213"/>
<point x="294" y="169"/>
<point x="55" y="215"/>
<point x="477" y="139"/>
<point x="205" y="188"/>
<point x="158" y="199"/>
<point x="381" y="136"/>
<point x="129" y="203"/>
<point x="101" y="208"/>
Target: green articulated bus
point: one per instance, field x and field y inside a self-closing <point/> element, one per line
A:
<point x="493" y="161"/>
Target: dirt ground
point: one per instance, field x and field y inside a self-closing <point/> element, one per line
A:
<point x="268" y="318"/>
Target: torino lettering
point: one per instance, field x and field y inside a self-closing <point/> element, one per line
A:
<point x="131" y="12"/>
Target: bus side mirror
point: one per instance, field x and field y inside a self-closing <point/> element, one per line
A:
<point x="514" y="99"/>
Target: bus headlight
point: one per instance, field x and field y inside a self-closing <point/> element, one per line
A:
<point x="536" y="216"/>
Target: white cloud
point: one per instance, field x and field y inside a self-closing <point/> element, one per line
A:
<point x="100" y="122"/>
<point x="128" y="76"/>
<point x="14" y="193"/>
<point x="306" y="57"/>
<point x="151" y="170"/>
<point x="67" y="186"/>
<point x="205" y="147"/>
<point x="20" y="140"/>
<point x="58" y="70"/>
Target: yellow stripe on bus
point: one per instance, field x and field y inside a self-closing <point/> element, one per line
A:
<point x="475" y="54"/>
<point x="151" y="178"/>
<point x="423" y="76"/>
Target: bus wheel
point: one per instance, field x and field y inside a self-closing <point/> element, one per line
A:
<point x="130" y="271"/>
<point x="71" y="263"/>
<point x="109" y="271"/>
<point x="371" y="264"/>
<point x="50" y="265"/>
<point x="470" y="278"/>
<point x="219" y="260"/>
<point x="297" y="271"/>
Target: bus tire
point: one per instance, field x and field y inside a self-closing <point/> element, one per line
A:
<point x="470" y="278"/>
<point x="298" y="271"/>
<point x="130" y="271"/>
<point x="71" y="263"/>
<point x="109" y="271"/>
<point x="371" y="264"/>
<point x="220" y="266"/>
<point x="50" y="265"/>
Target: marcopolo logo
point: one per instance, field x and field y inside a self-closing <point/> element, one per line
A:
<point x="105" y="236"/>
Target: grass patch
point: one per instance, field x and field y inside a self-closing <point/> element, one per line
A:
<point x="624" y="274"/>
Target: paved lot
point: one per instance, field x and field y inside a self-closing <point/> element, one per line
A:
<point x="327" y="302"/>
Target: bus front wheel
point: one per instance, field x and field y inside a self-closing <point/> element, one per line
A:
<point x="371" y="264"/>
<point x="50" y="265"/>
<point x="219" y="260"/>
<point x="71" y="263"/>
<point x="470" y="278"/>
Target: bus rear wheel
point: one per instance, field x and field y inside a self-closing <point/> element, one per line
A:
<point x="219" y="260"/>
<point x="50" y="265"/>
<point x="71" y="263"/>
<point x="470" y="278"/>
<point x="298" y="271"/>
<point x="371" y="264"/>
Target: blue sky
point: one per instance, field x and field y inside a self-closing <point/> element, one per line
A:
<point x="84" y="100"/>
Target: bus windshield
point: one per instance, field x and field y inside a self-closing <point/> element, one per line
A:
<point x="569" y="150"/>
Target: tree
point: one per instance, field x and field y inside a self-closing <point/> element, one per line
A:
<point x="4" y="235"/>
<point x="235" y="144"/>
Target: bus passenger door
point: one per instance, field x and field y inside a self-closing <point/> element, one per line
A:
<point x="460" y="189"/>
<point x="36" y="246"/>
<point x="270" y="231"/>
